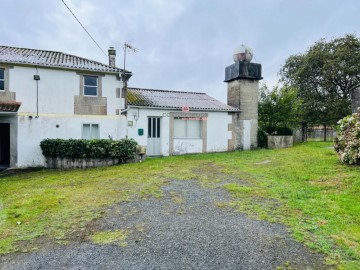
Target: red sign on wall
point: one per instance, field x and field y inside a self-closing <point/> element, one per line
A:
<point x="185" y="108"/>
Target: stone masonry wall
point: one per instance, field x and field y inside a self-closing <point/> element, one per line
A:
<point x="83" y="163"/>
<point x="243" y="94"/>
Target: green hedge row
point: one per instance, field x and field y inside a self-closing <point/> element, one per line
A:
<point x="103" y="148"/>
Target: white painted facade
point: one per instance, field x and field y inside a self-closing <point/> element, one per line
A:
<point x="55" y="106"/>
<point x="217" y="134"/>
<point x="56" y="118"/>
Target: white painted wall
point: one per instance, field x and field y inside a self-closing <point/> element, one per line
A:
<point x="218" y="134"/>
<point x="188" y="146"/>
<point x="32" y="132"/>
<point x="217" y="131"/>
<point x="142" y="123"/>
<point x="57" y="88"/>
<point x="247" y="134"/>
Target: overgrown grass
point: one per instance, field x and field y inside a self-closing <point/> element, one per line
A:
<point x="304" y="187"/>
<point x="117" y="237"/>
<point x="57" y="204"/>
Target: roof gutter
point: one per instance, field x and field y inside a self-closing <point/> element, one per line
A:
<point x="174" y="108"/>
<point x="7" y="113"/>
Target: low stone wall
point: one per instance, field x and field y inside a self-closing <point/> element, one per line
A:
<point x="83" y="163"/>
<point x="275" y="142"/>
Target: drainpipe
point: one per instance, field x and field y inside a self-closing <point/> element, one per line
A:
<point x="37" y="79"/>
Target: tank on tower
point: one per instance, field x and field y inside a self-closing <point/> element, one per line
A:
<point x="243" y="53"/>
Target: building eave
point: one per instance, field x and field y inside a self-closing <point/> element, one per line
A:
<point x="60" y="68"/>
<point x="9" y="107"/>
<point x="179" y="109"/>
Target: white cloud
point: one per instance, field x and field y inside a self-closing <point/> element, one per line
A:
<point x="184" y="44"/>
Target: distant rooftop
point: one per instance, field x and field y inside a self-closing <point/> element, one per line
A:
<point x="139" y="97"/>
<point x="23" y="56"/>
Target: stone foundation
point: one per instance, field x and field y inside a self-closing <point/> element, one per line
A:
<point x="83" y="163"/>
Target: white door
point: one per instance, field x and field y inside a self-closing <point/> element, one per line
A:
<point x="247" y="135"/>
<point x="154" y="136"/>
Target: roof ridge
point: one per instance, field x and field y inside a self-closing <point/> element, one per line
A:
<point x="54" y="57"/>
<point x="171" y="91"/>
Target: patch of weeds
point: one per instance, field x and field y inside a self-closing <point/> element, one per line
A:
<point x="286" y="266"/>
<point x="176" y="197"/>
<point x="117" y="237"/>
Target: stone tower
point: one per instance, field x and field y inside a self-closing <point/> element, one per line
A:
<point x="243" y="78"/>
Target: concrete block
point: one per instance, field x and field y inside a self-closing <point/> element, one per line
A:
<point x="275" y="142"/>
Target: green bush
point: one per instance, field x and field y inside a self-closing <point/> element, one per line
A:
<point x="262" y="138"/>
<point x="103" y="148"/>
<point x="284" y="131"/>
<point x="347" y="140"/>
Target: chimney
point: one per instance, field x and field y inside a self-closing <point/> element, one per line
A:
<point x="112" y="56"/>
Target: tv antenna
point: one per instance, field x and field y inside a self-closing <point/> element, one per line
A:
<point x="127" y="48"/>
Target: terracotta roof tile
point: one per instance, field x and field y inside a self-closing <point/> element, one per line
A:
<point x="9" y="106"/>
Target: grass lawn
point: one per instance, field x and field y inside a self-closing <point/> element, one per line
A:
<point x="304" y="187"/>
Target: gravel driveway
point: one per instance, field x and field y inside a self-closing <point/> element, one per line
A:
<point x="183" y="230"/>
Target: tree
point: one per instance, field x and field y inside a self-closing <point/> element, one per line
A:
<point x="325" y="77"/>
<point x="279" y="109"/>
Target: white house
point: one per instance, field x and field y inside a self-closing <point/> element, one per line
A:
<point x="47" y="94"/>
<point x="172" y="122"/>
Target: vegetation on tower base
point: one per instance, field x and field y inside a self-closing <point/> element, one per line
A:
<point x="347" y="142"/>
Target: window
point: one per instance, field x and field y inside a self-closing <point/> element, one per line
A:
<point x="90" y="131"/>
<point x="187" y="128"/>
<point x="2" y="79"/>
<point x="154" y="127"/>
<point x="90" y="85"/>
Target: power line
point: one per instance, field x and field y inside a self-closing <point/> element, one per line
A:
<point x="84" y="28"/>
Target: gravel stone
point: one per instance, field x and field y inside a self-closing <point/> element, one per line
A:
<point x="183" y="230"/>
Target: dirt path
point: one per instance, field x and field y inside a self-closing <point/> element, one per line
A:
<point x="183" y="230"/>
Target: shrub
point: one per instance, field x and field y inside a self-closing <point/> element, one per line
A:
<point x="347" y="140"/>
<point x="262" y="138"/>
<point x="284" y="131"/>
<point x="103" y="148"/>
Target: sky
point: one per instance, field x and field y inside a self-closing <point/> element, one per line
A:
<point x="183" y="45"/>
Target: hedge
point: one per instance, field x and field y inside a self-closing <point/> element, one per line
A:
<point x="103" y="148"/>
<point x="347" y="141"/>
